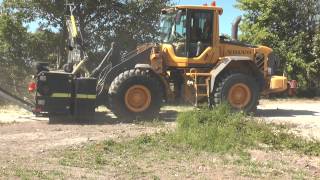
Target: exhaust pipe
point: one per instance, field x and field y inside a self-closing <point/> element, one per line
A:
<point x="235" y="28"/>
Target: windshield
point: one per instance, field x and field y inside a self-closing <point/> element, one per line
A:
<point x="173" y="27"/>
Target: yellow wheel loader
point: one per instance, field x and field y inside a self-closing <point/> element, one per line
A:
<point x="192" y="63"/>
<point x="189" y="62"/>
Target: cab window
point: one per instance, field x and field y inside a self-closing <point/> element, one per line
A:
<point x="201" y="30"/>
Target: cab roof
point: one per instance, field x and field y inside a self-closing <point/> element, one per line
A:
<point x="204" y="7"/>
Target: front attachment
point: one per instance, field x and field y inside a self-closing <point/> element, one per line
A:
<point x="64" y="98"/>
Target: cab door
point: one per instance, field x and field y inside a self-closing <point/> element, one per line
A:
<point x="200" y="49"/>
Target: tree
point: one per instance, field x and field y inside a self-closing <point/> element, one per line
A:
<point x="128" y="22"/>
<point x="13" y="55"/>
<point x="290" y="28"/>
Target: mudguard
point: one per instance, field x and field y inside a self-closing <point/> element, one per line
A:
<point x="228" y="60"/>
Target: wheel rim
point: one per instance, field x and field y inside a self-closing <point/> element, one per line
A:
<point x="138" y="98"/>
<point x="239" y="95"/>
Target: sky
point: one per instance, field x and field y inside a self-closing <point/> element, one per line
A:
<point x="226" y="19"/>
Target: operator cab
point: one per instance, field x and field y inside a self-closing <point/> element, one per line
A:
<point x="190" y="35"/>
<point x="188" y="29"/>
<point x="201" y="30"/>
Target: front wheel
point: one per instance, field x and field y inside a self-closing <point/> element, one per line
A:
<point x="135" y="94"/>
<point x="239" y="90"/>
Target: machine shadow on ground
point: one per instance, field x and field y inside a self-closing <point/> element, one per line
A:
<point x="284" y="113"/>
<point x="171" y="115"/>
<point x="107" y="118"/>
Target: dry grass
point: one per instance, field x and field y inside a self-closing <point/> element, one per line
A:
<point x="12" y="109"/>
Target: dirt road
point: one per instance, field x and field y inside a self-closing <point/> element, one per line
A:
<point x="302" y="115"/>
<point x="24" y="135"/>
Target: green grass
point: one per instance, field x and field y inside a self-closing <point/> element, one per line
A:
<point x="132" y="159"/>
<point x="91" y="156"/>
<point x="95" y="156"/>
<point x="223" y="131"/>
<point x="151" y="123"/>
<point x="27" y="174"/>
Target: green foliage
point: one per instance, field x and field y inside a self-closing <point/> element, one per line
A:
<point x="14" y="58"/>
<point x="13" y="41"/>
<point x="19" y="49"/>
<point x="290" y="28"/>
<point x="45" y="46"/>
<point x="127" y="22"/>
<point x="222" y="131"/>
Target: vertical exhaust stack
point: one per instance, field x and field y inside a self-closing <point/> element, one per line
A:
<point x="235" y="28"/>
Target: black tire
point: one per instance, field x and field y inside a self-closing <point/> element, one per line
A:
<point x="224" y="84"/>
<point x="121" y="85"/>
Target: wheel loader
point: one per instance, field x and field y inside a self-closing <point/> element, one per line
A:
<point x="189" y="63"/>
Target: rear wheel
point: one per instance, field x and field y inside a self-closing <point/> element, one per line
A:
<point x="135" y="94"/>
<point x="239" y="90"/>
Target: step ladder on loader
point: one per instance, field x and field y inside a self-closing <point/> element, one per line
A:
<point x="202" y="89"/>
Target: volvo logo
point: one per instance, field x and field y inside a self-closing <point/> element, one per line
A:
<point x="239" y="52"/>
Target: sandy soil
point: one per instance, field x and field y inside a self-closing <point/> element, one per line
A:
<point x="22" y="132"/>
<point x="303" y="115"/>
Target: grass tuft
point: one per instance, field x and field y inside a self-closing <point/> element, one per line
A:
<point x="26" y="174"/>
<point x="221" y="130"/>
